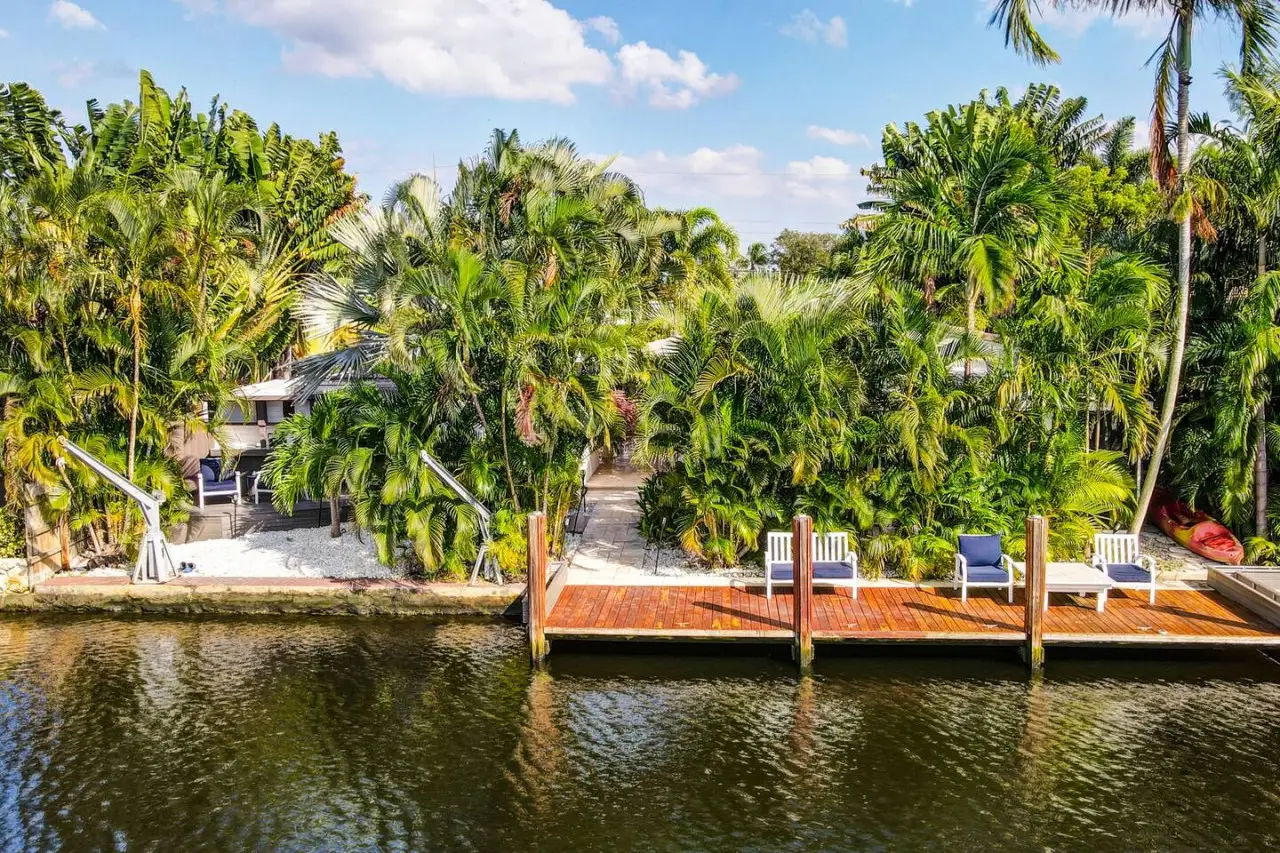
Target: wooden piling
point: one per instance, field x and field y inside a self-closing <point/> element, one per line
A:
<point x="802" y="578"/>
<point x="1034" y="585"/>
<point x="536" y="590"/>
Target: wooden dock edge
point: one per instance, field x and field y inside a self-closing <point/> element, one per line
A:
<point x="1009" y="639"/>
<point x="1225" y="582"/>
<point x="679" y="635"/>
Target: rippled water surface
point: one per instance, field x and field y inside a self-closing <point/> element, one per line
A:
<point x="338" y="735"/>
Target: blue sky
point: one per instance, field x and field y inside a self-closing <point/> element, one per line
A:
<point x="764" y="109"/>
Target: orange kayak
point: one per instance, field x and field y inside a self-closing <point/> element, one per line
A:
<point x="1195" y="530"/>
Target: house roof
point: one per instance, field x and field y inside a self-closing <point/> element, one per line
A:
<point x="279" y="389"/>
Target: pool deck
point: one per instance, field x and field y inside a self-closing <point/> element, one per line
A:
<point x="924" y="615"/>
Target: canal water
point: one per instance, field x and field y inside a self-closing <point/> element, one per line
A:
<point x="334" y="735"/>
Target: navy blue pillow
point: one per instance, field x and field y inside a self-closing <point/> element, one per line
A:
<point x="981" y="550"/>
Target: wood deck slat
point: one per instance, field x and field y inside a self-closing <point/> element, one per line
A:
<point x="901" y="613"/>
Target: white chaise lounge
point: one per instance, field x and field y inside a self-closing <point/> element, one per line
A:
<point x="833" y="563"/>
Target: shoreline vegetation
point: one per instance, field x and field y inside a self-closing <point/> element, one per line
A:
<point x="990" y="336"/>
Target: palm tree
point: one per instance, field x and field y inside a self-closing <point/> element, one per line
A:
<point x="1247" y="161"/>
<point x="136" y="233"/>
<point x="699" y="250"/>
<point x="971" y="199"/>
<point x="1257" y="19"/>
<point x="312" y="459"/>
<point x="757" y="257"/>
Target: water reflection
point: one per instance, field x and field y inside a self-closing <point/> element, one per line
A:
<point x="407" y="735"/>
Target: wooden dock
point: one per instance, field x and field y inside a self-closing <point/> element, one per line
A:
<point x="901" y="614"/>
<point x="886" y="614"/>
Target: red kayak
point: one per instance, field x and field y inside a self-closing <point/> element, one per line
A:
<point x="1195" y="530"/>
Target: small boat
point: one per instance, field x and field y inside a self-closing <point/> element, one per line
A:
<point x="1195" y="530"/>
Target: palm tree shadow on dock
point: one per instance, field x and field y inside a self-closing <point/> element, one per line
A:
<point x="964" y="616"/>
<point x="745" y="615"/>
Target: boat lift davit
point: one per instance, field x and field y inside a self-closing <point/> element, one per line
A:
<point x="155" y="563"/>
<point x="483" y="558"/>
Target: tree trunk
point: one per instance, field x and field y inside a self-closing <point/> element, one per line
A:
<point x="335" y="518"/>
<point x="971" y="326"/>
<point x="136" y="311"/>
<point x="1184" y="275"/>
<point x="1261" y="477"/>
<point x="506" y="455"/>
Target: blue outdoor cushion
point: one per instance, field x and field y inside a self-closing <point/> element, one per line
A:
<point x="821" y="571"/>
<point x="986" y="574"/>
<point x="1128" y="573"/>
<point x="981" y="550"/>
<point x="206" y="474"/>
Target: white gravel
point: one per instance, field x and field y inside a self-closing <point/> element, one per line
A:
<point x="305" y="553"/>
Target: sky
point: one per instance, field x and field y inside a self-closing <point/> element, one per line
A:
<point x="765" y="110"/>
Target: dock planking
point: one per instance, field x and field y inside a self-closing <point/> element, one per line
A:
<point x="902" y="614"/>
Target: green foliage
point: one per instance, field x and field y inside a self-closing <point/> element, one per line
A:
<point x="13" y="541"/>
<point x="513" y="308"/>
<point x="801" y="253"/>
<point x="148" y="265"/>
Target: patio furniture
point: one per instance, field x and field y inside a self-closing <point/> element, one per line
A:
<point x="259" y="485"/>
<point x="981" y="562"/>
<point x="209" y="486"/>
<point x="1119" y="557"/>
<point x="833" y="563"/>
<point x="1078" y="579"/>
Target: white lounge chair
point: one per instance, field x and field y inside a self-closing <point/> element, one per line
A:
<point x="1117" y="555"/>
<point x="260" y="486"/>
<point x="981" y="562"/>
<point x="209" y="486"/>
<point x="833" y="563"/>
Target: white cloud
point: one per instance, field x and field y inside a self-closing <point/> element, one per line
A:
<point x="606" y="27"/>
<point x="4" y="34"/>
<point x="75" y="73"/>
<point x="671" y="83"/>
<point x="807" y="26"/>
<point x="740" y="172"/>
<point x="73" y="17"/>
<point x="736" y="171"/>
<point x="755" y="196"/>
<point x="72" y="74"/>
<point x="512" y="49"/>
<point x="1074" y="21"/>
<point x="821" y="179"/>
<point x="836" y="136"/>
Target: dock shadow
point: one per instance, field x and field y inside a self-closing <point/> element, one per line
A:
<point x="743" y="614"/>
<point x="963" y="616"/>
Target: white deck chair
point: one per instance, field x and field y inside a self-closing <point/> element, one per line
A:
<point x="1119" y="557"/>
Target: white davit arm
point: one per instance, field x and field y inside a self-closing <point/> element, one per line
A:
<point x="155" y="563"/>
<point x="461" y="491"/>
<point x="452" y="482"/>
<point x="115" y="478"/>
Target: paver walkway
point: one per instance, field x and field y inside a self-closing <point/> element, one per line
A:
<point x="611" y="547"/>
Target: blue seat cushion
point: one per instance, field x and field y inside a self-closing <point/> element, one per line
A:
<point x="1128" y="573"/>
<point x="821" y="572"/>
<point x="986" y="574"/>
<point x="981" y="550"/>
